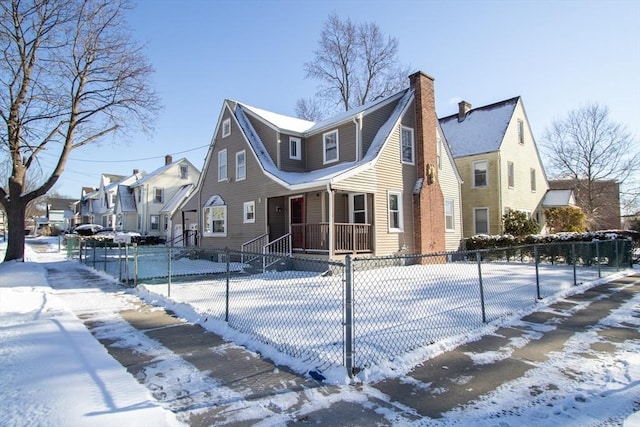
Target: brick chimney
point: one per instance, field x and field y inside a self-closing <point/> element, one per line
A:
<point x="168" y="159"/>
<point x="463" y="109"/>
<point x="428" y="202"/>
<point x="136" y="171"/>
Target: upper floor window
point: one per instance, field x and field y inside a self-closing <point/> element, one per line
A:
<point x="520" y="131"/>
<point x="480" y="173"/>
<point x="295" y="145"/>
<point x="394" y="201"/>
<point x="407" y="145"/>
<point x="222" y="165"/>
<point x="330" y="146"/>
<point x="226" y="128"/>
<point x="184" y="172"/>
<point x="510" y="174"/>
<point x="241" y="165"/>
<point x="449" y="219"/>
<point x="158" y="195"/>
<point x="249" y="210"/>
<point x="533" y="179"/>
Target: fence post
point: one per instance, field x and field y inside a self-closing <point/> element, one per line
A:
<point x="573" y="258"/>
<point x="135" y="264"/>
<point x="104" y="249"/>
<point x="617" y="256"/>
<point x="598" y="257"/>
<point x="126" y="262"/>
<point x="484" y="314"/>
<point x="228" y="276"/>
<point x="535" y="261"/>
<point x="348" y="315"/>
<point x="169" y="272"/>
<point x="120" y="262"/>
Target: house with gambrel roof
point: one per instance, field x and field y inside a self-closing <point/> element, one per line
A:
<point x="378" y="179"/>
<point x="497" y="157"/>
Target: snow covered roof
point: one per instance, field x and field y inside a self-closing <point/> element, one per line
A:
<point x="281" y="121"/>
<point x="331" y="174"/>
<point x="126" y="199"/>
<point x="178" y="197"/>
<point x="145" y="179"/>
<point x="558" y="198"/>
<point x="482" y="129"/>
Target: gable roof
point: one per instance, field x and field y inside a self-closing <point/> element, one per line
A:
<point x="299" y="180"/>
<point x="482" y="129"/>
<point x="150" y="176"/>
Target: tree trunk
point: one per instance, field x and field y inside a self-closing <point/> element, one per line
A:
<point x="15" y="221"/>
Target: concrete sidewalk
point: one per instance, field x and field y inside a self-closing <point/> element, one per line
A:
<point x="451" y="380"/>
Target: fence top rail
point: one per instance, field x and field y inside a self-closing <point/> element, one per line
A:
<point x="483" y="250"/>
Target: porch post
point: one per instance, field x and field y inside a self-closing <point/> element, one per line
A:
<point x="331" y="222"/>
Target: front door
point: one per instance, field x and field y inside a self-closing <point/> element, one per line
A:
<point x="296" y="216"/>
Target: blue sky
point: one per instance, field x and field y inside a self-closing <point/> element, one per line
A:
<point x="557" y="55"/>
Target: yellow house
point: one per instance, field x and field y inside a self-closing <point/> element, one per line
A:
<point x="497" y="158"/>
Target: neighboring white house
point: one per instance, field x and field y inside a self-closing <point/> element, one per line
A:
<point x="98" y="206"/>
<point x="153" y="199"/>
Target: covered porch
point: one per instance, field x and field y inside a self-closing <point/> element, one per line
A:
<point x="321" y="222"/>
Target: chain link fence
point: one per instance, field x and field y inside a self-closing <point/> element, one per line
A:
<point x="364" y="311"/>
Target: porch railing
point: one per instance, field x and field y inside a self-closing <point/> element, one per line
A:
<point x="278" y="248"/>
<point x="254" y="246"/>
<point x="349" y="238"/>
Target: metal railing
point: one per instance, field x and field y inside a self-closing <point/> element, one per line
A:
<point x="280" y="247"/>
<point x="365" y="311"/>
<point x="254" y="245"/>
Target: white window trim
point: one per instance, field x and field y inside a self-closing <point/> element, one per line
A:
<point x="511" y="175"/>
<point x="204" y="216"/>
<point x="244" y="176"/>
<point x="298" y="145"/>
<point x="413" y="146"/>
<point x="520" y="131"/>
<point x="226" y="128"/>
<point x="473" y="173"/>
<point x="400" y="212"/>
<point x="223" y="153"/>
<point x="155" y="193"/>
<point x="475" y="221"/>
<point x="151" y="223"/>
<point x="324" y="147"/>
<point x="451" y="203"/>
<point x="184" y="175"/>
<point x="533" y="178"/>
<point x="245" y="211"/>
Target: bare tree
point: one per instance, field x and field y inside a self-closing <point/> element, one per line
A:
<point x="69" y="75"/>
<point x="355" y="64"/>
<point x="594" y="152"/>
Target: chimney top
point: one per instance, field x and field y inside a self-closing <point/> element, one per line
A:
<point x="168" y="159"/>
<point x="136" y="171"/>
<point x="463" y="109"/>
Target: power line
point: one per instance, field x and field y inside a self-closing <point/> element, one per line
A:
<point x="137" y="160"/>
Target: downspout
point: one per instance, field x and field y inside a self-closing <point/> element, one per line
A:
<point x="357" y="121"/>
<point x="500" y="193"/>
<point x="278" y="146"/>
<point x="331" y="221"/>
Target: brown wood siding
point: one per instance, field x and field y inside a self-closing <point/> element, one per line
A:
<point x="372" y="122"/>
<point x="346" y="147"/>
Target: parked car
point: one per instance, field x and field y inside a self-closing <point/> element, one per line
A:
<point x="88" y="229"/>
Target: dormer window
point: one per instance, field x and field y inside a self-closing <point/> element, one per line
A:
<point x="226" y="128"/>
<point x="330" y="147"/>
<point x="295" y="148"/>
